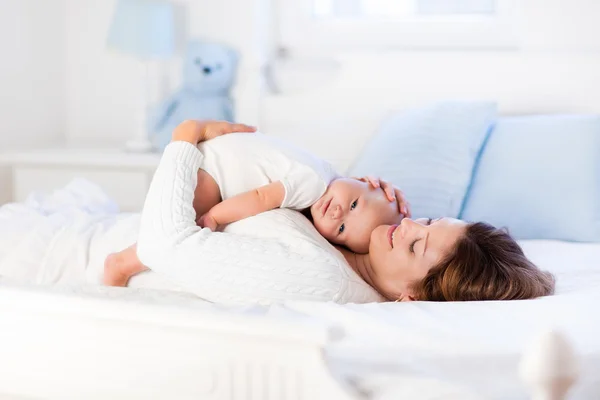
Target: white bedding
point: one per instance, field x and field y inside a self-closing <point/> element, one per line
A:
<point x="477" y="344"/>
<point x="63" y="238"/>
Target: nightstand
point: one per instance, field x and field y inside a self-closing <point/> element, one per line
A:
<point x="124" y="176"/>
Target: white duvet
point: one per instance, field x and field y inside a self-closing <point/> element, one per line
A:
<point x="62" y="238"/>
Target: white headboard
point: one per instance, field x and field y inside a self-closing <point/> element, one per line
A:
<point x="332" y="106"/>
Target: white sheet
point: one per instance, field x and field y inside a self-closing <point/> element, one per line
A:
<point x="477" y="345"/>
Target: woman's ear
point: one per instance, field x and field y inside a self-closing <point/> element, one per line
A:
<point x="405" y="297"/>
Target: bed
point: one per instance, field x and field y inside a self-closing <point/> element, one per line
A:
<point x="153" y="340"/>
<point x="97" y="342"/>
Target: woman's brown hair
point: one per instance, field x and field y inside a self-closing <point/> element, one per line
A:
<point x="486" y="264"/>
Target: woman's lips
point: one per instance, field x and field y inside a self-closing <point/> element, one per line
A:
<point x="325" y="207"/>
<point x="390" y="233"/>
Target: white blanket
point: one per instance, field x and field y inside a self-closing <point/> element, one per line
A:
<point x="64" y="237"/>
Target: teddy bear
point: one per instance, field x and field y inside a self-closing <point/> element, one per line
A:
<point x="208" y="75"/>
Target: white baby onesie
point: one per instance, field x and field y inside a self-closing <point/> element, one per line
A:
<point x="241" y="162"/>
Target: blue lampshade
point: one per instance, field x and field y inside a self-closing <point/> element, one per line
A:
<point x="143" y="28"/>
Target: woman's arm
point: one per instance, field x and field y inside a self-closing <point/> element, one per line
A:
<point x="216" y="266"/>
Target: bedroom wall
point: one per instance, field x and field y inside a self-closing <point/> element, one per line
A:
<point x="31" y="72"/>
<point x="334" y="113"/>
<point x="32" y="75"/>
<point x="103" y="87"/>
<point x="559" y="58"/>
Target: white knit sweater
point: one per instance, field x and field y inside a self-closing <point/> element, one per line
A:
<point x="272" y="257"/>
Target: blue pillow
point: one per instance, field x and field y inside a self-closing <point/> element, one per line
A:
<point x="429" y="153"/>
<point x="539" y="176"/>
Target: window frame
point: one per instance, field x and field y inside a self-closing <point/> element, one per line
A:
<point x="299" y="29"/>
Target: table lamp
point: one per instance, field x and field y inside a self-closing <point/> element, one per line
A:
<point x="144" y="29"/>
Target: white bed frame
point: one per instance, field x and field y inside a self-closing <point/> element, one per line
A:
<point x="53" y="346"/>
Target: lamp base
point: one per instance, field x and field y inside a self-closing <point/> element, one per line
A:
<point x="139" y="146"/>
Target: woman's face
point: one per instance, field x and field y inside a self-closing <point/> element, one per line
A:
<point x="403" y="254"/>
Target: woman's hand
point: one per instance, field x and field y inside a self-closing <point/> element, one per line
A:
<point x="391" y="192"/>
<point x="195" y="132"/>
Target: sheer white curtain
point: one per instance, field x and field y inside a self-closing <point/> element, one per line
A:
<point x="401" y="8"/>
<point x="347" y="24"/>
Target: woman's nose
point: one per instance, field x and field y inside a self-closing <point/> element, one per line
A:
<point x="408" y="225"/>
<point x="418" y="223"/>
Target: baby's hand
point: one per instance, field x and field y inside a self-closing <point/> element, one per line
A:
<point x="206" y="221"/>
<point x="392" y="193"/>
<point x="403" y="204"/>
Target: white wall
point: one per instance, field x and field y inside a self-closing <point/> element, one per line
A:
<point x="32" y="72"/>
<point x="559" y="58"/>
<point x="555" y="70"/>
<point x="32" y="76"/>
<point x="103" y="88"/>
<point x="552" y="33"/>
<point x="100" y="87"/>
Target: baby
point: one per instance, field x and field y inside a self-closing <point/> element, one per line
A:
<point x="245" y="174"/>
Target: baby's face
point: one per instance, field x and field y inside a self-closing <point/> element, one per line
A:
<point x="350" y="210"/>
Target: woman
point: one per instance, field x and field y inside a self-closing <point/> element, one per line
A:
<point x="438" y="260"/>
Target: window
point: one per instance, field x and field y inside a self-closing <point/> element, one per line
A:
<point x="394" y="9"/>
<point x="442" y="24"/>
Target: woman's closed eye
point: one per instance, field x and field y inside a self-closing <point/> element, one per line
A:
<point x="411" y="247"/>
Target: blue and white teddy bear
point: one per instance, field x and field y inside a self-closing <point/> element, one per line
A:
<point x="208" y="75"/>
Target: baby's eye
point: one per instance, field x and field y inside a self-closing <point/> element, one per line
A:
<point x="353" y="205"/>
<point x="342" y="227"/>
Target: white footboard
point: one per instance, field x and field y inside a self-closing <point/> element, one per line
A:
<point x="61" y="346"/>
<point x="56" y="346"/>
<point x="549" y="367"/>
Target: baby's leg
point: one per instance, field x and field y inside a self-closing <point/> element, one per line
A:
<point x="120" y="267"/>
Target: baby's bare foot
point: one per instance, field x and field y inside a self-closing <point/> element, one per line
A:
<point x="115" y="271"/>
